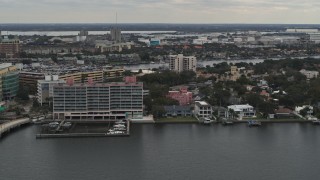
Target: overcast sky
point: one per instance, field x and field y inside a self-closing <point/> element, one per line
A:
<point x="160" y="11"/>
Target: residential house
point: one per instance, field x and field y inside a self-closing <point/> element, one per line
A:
<point x="243" y="110"/>
<point x="309" y="74"/>
<point x="178" y="110"/>
<point x="221" y="112"/>
<point x="282" y="112"/>
<point x="183" y="96"/>
<point x="202" y="109"/>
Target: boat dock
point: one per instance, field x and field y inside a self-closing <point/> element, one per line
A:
<point x="81" y="129"/>
<point x="6" y="127"/>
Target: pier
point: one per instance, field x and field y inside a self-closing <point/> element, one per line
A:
<point x="83" y="129"/>
<point x="6" y="127"/>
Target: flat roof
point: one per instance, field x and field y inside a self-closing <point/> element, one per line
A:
<point x="240" y="107"/>
<point x="5" y="65"/>
<point x="202" y="103"/>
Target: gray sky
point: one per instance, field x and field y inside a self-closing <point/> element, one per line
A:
<point x="160" y="11"/>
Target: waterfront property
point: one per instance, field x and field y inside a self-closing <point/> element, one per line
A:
<point x="98" y="102"/>
<point x="284" y="113"/>
<point x="181" y="63"/>
<point x="202" y="109"/>
<point x="221" y="112"/>
<point x="177" y="110"/>
<point x="243" y="110"/>
<point x="65" y="129"/>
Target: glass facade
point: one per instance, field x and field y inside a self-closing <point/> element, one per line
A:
<point x="10" y="85"/>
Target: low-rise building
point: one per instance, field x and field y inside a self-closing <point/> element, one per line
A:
<point x="221" y="112"/>
<point x="202" y="109"/>
<point x="282" y="112"/>
<point x="243" y="110"/>
<point x="183" y="96"/>
<point x="178" y="110"/>
<point x="309" y="74"/>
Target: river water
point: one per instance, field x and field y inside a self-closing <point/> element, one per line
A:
<point x="184" y="151"/>
<point x="210" y="63"/>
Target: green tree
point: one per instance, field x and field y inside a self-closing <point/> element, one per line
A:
<point x="158" y="111"/>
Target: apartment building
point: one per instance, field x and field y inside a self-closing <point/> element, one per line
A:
<point x="110" y="73"/>
<point x="9" y="47"/>
<point x="181" y="63"/>
<point x="81" y="77"/>
<point x="29" y="80"/>
<point x="98" y="102"/>
<point x="45" y="88"/>
<point x="9" y="79"/>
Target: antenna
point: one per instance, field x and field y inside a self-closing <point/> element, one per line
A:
<point x="116" y="18"/>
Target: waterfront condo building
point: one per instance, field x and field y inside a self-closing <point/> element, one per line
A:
<point x="98" y="102"/>
<point x="181" y="63"/>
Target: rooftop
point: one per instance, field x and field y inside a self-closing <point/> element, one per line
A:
<point x="5" y="65"/>
<point x="100" y="84"/>
<point x="240" y="107"/>
<point x="202" y="103"/>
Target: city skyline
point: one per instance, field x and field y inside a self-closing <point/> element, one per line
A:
<point x="151" y="11"/>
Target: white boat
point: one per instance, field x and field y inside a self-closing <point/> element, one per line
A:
<point x="67" y="125"/>
<point x="53" y="124"/>
<point x="207" y="121"/>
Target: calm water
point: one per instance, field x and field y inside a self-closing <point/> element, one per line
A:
<point x="274" y="151"/>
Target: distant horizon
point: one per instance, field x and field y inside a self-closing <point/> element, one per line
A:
<point x="187" y="27"/>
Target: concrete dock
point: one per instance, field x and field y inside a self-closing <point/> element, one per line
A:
<point x="6" y="127"/>
<point x="81" y="129"/>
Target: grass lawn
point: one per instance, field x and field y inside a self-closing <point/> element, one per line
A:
<point x="180" y="119"/>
